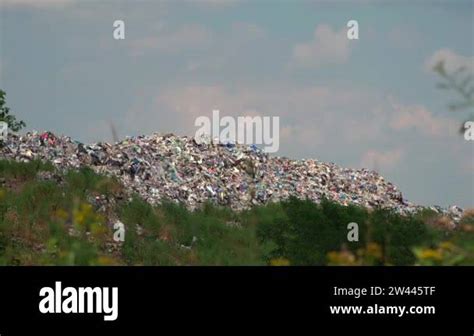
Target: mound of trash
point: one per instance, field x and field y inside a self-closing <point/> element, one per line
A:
<point x="178" y="168"/>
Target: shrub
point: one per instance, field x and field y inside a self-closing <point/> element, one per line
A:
<point x="305" y="232"/>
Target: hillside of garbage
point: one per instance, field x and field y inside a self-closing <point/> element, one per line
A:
<point x="166" y="166"/>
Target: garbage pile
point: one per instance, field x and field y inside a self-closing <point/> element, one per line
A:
<point x="178" y="168"/>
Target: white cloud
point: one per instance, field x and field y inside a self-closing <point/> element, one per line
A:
<point x="326" y="47"/>
<point x="302" y="134"/>
<point x="452" y="61"/>
<point x="387" y="160"/>
<point x="247" y="31"/>
<point x="309" y="115"/>
<point x="317" y="119"/>
<point x="404" y="36"/>
<point x="226" y="47"/>
<point x="186" y="37"/>
<point x="421" y="119"/>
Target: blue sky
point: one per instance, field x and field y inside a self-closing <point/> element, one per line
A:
<point x="369" y="103"/>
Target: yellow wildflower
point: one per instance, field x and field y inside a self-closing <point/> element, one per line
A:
<point x="431" y="254"/>
<point x="279" y="262"/>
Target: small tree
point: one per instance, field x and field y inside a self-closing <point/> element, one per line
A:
<point x="5" y="115"/>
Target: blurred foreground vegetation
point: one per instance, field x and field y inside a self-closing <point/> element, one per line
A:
<point x="46" y="220"/>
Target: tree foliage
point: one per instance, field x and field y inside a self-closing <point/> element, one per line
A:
<point x="461" y="82"/>
<point x="5" y="115"/>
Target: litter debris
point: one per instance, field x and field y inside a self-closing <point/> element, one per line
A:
<point x="177" y="168"/>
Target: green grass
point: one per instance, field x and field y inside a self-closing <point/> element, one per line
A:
<point x="50" y="223"/>
<point x="23" y="171"/>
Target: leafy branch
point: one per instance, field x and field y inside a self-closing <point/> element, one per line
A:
<point x="459" y="81"/>
<point x="5" y="115"/>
